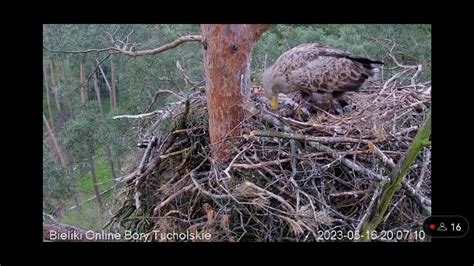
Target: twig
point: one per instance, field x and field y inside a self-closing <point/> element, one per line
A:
<point x="354" y="166"/>
<point x="139" y="115"/>
<point x="226" y="171"/>
<point x="275" y="134"/>
<point x="405" y="130"/>
<point x="260" y="165"/>
<point x="170" y="198"/>
<point x="424" y="203"/>
<point x="424" y="169"/>
<point x="404" y="108"/>
<point x="129" y="177"/>
<point x="79" y="51"/>
<point x="156" y="97"/>
<point x="146" y="155"/>
<point x="386" y="160"/>
<point x="185" y="76"/>
<point x="280" y="199"/>
<point x="207" y="193"/>
<point x="389" y="81"/>
<point x="364" y="218"/>
<point x="348" y="193"/>
<point x="103" y="75"/>
<point x="171" y="110"/>
<point x="164" y="156"/>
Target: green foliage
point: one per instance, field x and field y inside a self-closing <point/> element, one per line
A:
<point x="103" y="174"/>
<point x="121" y="139"/>
<point x="57" y="184"/>
<point x="88" y="216"/>
<point x="86" y="129"/>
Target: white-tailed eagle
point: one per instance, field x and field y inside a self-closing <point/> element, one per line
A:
<point x="316" y="69"/>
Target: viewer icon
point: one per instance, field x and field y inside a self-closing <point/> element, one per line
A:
<point x="442" y="227"/>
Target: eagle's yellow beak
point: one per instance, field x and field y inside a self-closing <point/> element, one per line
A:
<point x="274" y="102"/>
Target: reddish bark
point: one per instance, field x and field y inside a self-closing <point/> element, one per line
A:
<point x="227" y="56"/>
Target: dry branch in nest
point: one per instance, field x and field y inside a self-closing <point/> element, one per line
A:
<point x="288" y="179"/>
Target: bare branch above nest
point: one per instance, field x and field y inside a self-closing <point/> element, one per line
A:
<point x="127" y="49"/>
<point x="79" y="51"/>
<point x="161" y="49"/>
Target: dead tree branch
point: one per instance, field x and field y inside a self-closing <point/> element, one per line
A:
<point x="276" y="134"/>
<point x="127" y="50"/>
<point x="138" y="116"/>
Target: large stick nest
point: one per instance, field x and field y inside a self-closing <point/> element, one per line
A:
<point x="287" y="179"/>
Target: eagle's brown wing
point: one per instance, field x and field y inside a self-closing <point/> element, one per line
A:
<point x="329" y="74"/>
<point x="297" y="57"/>
<point x="317" y="66"/>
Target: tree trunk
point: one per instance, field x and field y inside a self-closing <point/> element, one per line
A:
<point x="63" y="72"/>
<point x="113" y="92"/>
<point x="48" y="100"/>
<point x="94" y="177"/>
<point x="111" y="162"/>
<point x="66" y="103"/>
<point x="227" y="56"/>
<point x="101" y="110"/>
<point x="55" y="90"/>
<point x="83" y="84"/>
<point x="56" y="146"/>
<point x="90" y="143"/>
<point x="70" y="96"/>
<point x="106" y="83"/>
<point x="119" y="165"/>
<point x="71" y="105"/>
<point x="97" y="93"/>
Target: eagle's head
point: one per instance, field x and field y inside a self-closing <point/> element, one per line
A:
<point x="270" y="90"/>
